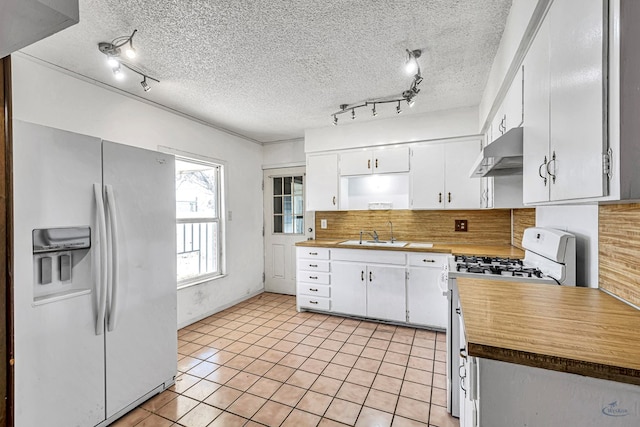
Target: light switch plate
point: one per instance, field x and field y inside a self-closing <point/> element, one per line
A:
<point x="461" y="225"/>
<point x="323" y="223"/>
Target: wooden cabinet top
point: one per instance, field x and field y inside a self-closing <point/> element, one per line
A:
<point x="506" y="251"/>
<point x="583" y="331"/>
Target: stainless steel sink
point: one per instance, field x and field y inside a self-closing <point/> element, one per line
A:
<point x="381" y="243"/>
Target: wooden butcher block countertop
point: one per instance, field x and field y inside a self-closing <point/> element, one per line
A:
<point x="583" y="331"/>
<point x="506" y="251"/>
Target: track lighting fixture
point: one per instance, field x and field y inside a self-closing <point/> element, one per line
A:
<point x="409" y="95"/>
<point x="113" y="51"/>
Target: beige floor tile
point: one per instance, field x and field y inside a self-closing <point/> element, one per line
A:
<point x="388" y="384"/>
<point x="359" y="377"/>
<point x="188" y="348"/>
<point x="363" y="331"/>
<point x="343" y="411"/>
<point x="267" y="342"/>
<point x="221" y="357"/>
<point x="264" y="387"/>
<point x="439" y="397"/>
<point x="420" y="376"/>
<point x="228" y="420"/>
<point x="155" y="421"/>
<point x="313" y="365"/>
<point x="344" y="359"/>
<point x="336" y="371"/>
<point x="397" y="347"/>
<point x="200" y="416"/>
<point x="187" y="363"/>
<point x="439" y="381"/>
<point x="292" y="360"/>
<point x="159" y="401"/>
<point x="272" y="414"/>
<point x="273" y="356"/>
<point x="399" y="421"/>
<point x="132" y="418"/>
<point x="279" y="373"/>
<point x="259" y="367"/>
<point x="239" y="362"/>
<point x="420" y="363"/>
<point x="302" y="379"/>
<point x="295" y="336"/>
<point x="378" y="343"/>
<point x="326" y="422"/>
<point x="204" y="353"/>
<point x="177" y="407"/>
<point x="299" y="418"/>
<point x="242" y="381"/>
<point x="321" y="332"/>
<point x="330" y="344"/>
<point x="426" y="353"/>
<point x="222" y="374"/>
<point x="313" y="402"/>
<point x="381" y="400"/>
<point x="353" y="393"/>
<point x="326" y="385"/>
<point x="416" y="391"/>
<point x="254" y="351"/>
<point x="440" y="417"/>
<point x="323" y="354"/>
<point x="251" y="338"/>
<point x="413" y="409"/>
<point x="246" y="405"/>
<point x="440" y="367"/>
<point x="203" y="369"/>
<point x="396" y="358"/>
<point x="183" y="382"/>
<point x="202" y="390"/>
<point x="373" y="353"/>
<point x="288" y="395"/>
<point x="285" y="346"/>
<point x="303" y="350"/>
<point x="238" y="346"/>
<point x="223" y="397"/>
<point x="339" y="336"/>
<point x="358" y="340"/>
<point x="392" y="370"/>
<point x="365" y="364"/>
<point x="374" y="418"/>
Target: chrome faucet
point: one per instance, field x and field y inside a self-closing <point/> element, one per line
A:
<point x="393" y="239"/>
<point x="373" y="235"/>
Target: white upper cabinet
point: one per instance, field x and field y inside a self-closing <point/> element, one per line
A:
<point x="322" y="182"/>
<point x="381" y="160"/>
<point x="440" y="175"/>
<point x="564" y="115"/>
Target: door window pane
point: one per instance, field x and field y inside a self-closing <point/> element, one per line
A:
<point x="288" y="204"/>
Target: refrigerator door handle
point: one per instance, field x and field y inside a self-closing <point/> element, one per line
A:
<point x="115" y="283"/>
<point x="102" y="279"/>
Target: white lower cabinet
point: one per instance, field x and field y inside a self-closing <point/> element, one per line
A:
<point x="373" y="284"/>
<point x="426" y="303"/>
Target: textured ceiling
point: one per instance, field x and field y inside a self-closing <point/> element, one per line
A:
<point x="268" y="69"/>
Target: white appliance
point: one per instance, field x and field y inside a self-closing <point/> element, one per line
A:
<point x="550" y="257"/>
<point x="94" y="277"/>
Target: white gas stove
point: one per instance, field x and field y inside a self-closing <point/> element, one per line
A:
<point x="550" y="258"/>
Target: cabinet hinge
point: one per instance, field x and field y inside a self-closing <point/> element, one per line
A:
<point x="262" y="185"/>
<point x="406" y="275"/>
<point x="264" y="277"/>
<point x="606" y="163"/>
<point x="407" y="316"/>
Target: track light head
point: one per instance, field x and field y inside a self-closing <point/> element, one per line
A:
<point x="398" y="110"/>
<point x="112" y="50"/>
<point x="411" y="64"/>
<point x="353" y="114"/>
<point x="145" y="85"/>
<point x="335" y="120"/>
<point x="373" y="111"/>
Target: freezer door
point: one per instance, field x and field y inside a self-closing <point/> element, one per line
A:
<point x="141" y="347"/>
<point x="59" y="368"/>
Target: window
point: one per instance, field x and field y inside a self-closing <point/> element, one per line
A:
<point x="198" y="220"/>
<point x="288" y="205"/>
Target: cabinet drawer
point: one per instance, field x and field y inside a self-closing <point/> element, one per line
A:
<point x="317" y="303"/>
<point x="312" y="277"/>
<point x="426" y="259"/>
<point x="313" y="265"/>
<point x="312" y="253"/>
<point x="314" y="290"/>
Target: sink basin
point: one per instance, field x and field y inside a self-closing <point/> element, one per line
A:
<point x="421" y="245"/>
<point x="381" y="243"/>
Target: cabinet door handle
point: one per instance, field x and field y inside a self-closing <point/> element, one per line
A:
<point x="553" y="176"/>
<point x="449" y="198"/>
<point x="313" y="277"/>
<point x="313" y="253"/>
<point x="376" y="163"/>
<point x="313" y="302"/>
<point x="428" y="260"/>
<point x="439" y="197"/>
<point x="313" y="290"/>
<point x="369" y="164"/>
<point x="313" y="265"/>
<point x="362" y="276"/>
<point x="543" y="165"/>
<point x="334" y="200"/>
<point x="370" y="278"/>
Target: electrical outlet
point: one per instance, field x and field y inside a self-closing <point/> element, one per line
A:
<point x="323" y="223"/>
<point x="461" y="225"/>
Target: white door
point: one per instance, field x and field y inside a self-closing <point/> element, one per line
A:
<point x="462" y="192"/>
<point x="285" y="223"/>
<point x="141" y="333"/>
<point x="427" y="176"/>
<point x="386" y="293"/>
<point x="59" y="370"/>
<point x="535" y="181"/>
<point x="348" y="288"/>
<point x="322" y="182"/>
<point x="389" y="160"/>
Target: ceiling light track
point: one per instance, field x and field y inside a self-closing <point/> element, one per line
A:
<point x="113" y="51"/>
<point x="409" y="95"/>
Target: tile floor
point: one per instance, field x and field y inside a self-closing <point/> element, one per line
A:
<point x="261" y="362"/>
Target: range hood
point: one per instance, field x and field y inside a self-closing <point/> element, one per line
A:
<point x="500" y="158"/>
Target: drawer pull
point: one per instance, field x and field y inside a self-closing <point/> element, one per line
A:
<point x="313" y="302"/>
<point x="313" y="290"/>
<point x="313" y="253"/>
<point x="428" y="260"/>
<point x="362" y="276"/>
<point x="313" y="265"/>
<point x="313" y="277"/>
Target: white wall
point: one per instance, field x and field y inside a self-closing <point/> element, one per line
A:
<point x="403" y="128"/>
<point x="49" y="97"/>
<point x="283" y="154"/>
<point x="581" y="220"/>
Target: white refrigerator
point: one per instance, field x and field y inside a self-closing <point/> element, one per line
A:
<point x="94" y="277"/>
